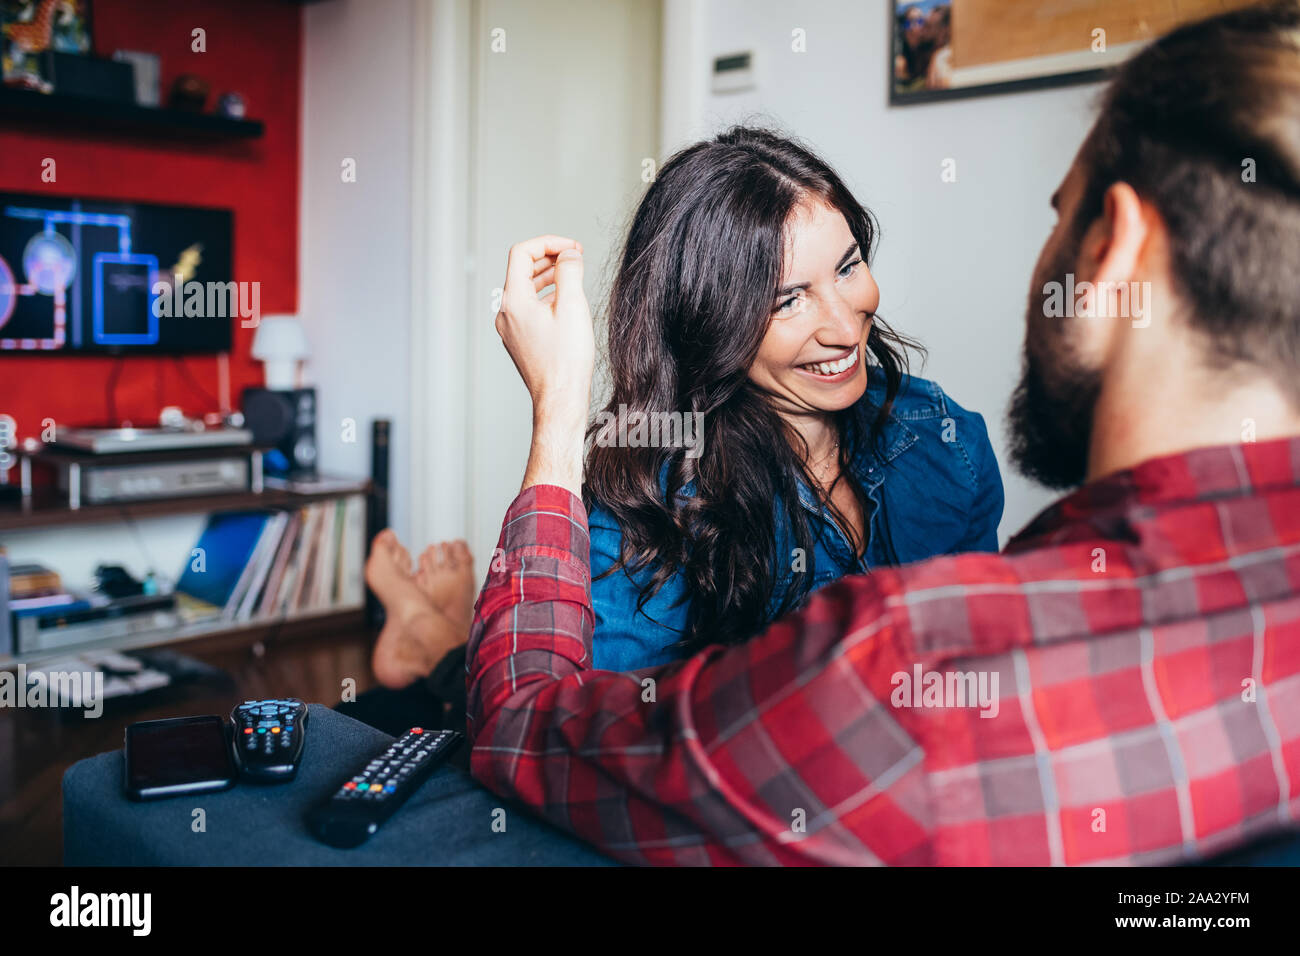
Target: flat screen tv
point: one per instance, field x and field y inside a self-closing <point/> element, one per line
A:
<point x="97" y="276"/>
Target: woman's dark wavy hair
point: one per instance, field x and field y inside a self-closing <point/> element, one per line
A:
<point x="688" y="308"/>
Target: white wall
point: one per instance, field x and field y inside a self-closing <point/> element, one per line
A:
<point x="559" y="125"/>
<point x="956" y="258"/>
<point x="354" y="268"/>
<point x="561" y="122"/>
<point x="563" y="119"/>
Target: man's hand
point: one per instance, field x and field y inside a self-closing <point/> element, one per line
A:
<point x="551" y="342"/>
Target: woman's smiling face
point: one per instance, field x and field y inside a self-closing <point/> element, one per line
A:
<point x="812" y="357"/>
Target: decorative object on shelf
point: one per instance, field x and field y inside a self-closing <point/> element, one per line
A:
<point x="93" y="77"/>
<point x="231" y="105"/>
<point x="115" y="581"/>
<point x="148" y="75"/>
<point x="281" y="343"/>
<point x="189" y="93"/>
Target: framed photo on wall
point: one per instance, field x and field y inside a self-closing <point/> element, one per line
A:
<point x="944" y="49"/>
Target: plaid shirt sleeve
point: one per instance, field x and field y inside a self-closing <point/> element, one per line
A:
<point x="1121" y="685"/>
<point x="735" y="755"/>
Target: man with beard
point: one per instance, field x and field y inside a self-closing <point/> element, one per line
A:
<point x="1142" y="635"/>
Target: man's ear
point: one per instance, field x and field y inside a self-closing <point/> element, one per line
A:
<point x="1111" y="257"/>
<point x="1113" y="247"/>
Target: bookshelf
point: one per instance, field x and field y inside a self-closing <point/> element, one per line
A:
<point x="47" y="512"/>
<point x="48" y="509"/>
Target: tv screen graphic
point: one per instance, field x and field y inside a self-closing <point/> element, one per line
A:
<point x="90" y="276"/>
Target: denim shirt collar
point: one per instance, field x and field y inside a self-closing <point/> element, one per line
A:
<point x="868" y="464"/>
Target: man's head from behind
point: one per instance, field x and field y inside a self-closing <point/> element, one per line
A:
<point x="1177" y="251"/>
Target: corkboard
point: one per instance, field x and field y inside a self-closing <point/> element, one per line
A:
<point x="994" y="31"/>
<point x="952" y="48"/>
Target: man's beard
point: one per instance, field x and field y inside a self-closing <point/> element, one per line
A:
<point x="1051" y="421"/>
<point x="1051" y="409"/>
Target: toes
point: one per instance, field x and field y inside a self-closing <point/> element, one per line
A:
<point x="402" y="557"/>
<point x="443" y="556"/>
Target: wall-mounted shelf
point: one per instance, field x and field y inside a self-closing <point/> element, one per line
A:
<point x="82" y="113"/>
<point x="50" y="509"/>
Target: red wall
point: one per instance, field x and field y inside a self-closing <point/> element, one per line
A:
<point x="253" y="47"/>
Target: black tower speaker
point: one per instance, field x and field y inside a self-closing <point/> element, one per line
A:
<point x="377" y="517"/>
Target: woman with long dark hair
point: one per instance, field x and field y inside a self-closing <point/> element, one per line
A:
<point x="762" y="437"/>
<point x="744" y="301"/>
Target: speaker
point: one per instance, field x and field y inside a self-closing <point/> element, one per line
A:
<point x="380" y="429"/>
<point x="284" y="423"/>
<point x="377" y="513"/>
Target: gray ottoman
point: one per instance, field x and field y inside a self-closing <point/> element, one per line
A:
<point x="448" y="822"/>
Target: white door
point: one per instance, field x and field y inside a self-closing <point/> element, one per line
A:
<point x="564" y="116"/>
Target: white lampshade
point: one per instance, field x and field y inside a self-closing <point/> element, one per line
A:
<point x="281" y="343"/>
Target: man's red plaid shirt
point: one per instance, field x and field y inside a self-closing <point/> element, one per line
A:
<point x="1142" y="636"/>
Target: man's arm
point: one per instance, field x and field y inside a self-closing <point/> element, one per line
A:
<point x="749" y="754"/>
<point x="783" y="749"/>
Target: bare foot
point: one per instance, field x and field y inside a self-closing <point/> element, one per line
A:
<point x="416" y="635"/>
<point x="446" y="576"/>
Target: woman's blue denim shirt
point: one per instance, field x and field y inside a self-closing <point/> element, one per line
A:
<point x="934" y="488"/>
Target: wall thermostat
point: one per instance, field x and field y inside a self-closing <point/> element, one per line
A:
<point x="734" y="72"/>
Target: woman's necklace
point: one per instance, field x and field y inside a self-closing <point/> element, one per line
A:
<point x="824" y="468"/>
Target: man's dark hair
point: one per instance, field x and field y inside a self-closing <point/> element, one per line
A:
<point x="1205" y="125"/>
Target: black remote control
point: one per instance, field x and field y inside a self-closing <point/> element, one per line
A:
<point x="268" y="738"/>
<point x="348" y="816"/>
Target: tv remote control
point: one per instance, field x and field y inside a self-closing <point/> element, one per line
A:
<point x="348" y="816"/>
<point x="268" y="738"/>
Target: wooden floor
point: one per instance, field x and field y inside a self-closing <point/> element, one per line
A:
<point x="37" y="746"/>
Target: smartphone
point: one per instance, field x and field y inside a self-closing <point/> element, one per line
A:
<point x="180" y="755"/>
